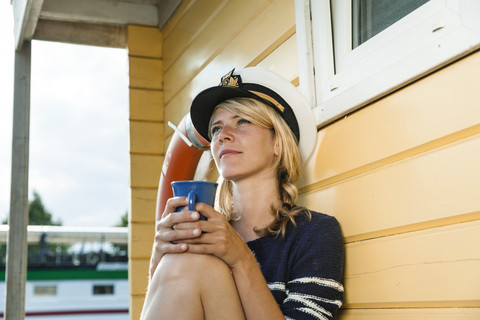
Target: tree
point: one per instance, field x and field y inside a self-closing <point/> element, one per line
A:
<point x="123" y="220"/>
<point x="38" y="214"/>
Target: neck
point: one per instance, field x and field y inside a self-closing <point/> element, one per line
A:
<point x="252" y="201"/>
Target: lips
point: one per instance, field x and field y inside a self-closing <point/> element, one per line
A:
<point x="228" y="152"/>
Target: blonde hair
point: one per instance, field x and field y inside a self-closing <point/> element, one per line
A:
<point x="287" y="163"/>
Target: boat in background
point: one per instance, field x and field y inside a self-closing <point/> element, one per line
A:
<point x="89" y="280"/>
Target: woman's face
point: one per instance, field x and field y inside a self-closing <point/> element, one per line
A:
<point x="240" y="148"/>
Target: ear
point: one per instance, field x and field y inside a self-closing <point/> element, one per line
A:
<point x="275" y="147"/>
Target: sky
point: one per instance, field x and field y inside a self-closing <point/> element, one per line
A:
<point x="79" y="143"/>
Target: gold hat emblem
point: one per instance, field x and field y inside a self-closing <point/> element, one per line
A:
<point x="230" y="80"/>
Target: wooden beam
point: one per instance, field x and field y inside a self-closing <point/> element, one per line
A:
<point x="165" y="10"/>
<point x="100" y="12"/>
<point x="81" y="33"/>
<point x="16" y="271"/>
<point x="31" y="23"/>
<point x="21" y="13"/>
<point x="25" y="17"/>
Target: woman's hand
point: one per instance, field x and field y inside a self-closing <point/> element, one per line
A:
<point x="218" y="237"/>
<point x="168" y="237"/>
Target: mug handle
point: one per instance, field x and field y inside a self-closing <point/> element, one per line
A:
<point x="191" y="200"/>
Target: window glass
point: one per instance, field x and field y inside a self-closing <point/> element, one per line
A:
<point x="102" y="289"/>
<point x="370" y="17"/>
<point x="45" y="291"/>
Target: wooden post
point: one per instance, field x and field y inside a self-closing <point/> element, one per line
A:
<point x="16" y="272"/>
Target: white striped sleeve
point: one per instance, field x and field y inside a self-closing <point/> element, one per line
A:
<point x="321" y="282"/>
<point x="280" y="286"/>
<point x="307" y="297"/>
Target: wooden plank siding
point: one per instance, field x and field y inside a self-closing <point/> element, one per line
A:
<point x="266" y="25"/>
<point x="424" y="192"/>
<point x="146" y="153"/>
<point x="401" y="174"/>
<point x="436" y="267"/>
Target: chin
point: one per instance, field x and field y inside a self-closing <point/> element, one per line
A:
<point x="230" y="176"/>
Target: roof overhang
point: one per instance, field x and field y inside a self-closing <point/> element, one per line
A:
<point x="88" y="22"/>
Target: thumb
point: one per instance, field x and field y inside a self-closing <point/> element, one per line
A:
<point x="206" y="210"/>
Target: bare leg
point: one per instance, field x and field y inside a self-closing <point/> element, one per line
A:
<point x="192" y="286"/>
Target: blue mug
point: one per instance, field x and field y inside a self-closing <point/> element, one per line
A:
<point x="195" y="191"/>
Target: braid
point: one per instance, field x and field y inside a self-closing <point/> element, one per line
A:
<point x="288" y="211"/>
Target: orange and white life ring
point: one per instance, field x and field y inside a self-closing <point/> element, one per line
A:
<point x="181" y="160"/>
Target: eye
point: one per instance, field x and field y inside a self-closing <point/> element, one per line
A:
<point x="242" y="121"/>
<point x="214" y="130"/>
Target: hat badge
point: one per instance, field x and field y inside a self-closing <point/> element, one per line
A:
<point x="230" y="80"/>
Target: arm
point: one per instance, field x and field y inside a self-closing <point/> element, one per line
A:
<point x="168" y="240"/>
<point x="257" y="300"/>
<point x="221" y="240"/>
<point x="315" y="289"/>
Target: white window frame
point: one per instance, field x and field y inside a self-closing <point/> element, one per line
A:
<point x="339" y="80"/>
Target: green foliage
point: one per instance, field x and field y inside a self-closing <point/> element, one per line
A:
<point x="38" y="214"/>
<point x="123" y="220"/>
<point x="47" y="253"/>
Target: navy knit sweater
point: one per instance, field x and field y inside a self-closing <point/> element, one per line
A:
<point x="304" y="271"/>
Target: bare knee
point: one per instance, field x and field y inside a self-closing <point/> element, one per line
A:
<point x="205" y="281"/>
<point x="175" y="281"/>
<point x="188" y="267"/>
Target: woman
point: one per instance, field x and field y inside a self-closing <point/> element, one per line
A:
<point x="258" y="256"/>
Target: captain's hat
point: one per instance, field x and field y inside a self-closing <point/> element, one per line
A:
<point x="268" y="87"/>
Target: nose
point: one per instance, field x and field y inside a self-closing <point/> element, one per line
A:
<point x="226" y="134"/>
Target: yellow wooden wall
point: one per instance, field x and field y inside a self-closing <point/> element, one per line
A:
<point x="146" y="152"/>
<point x="401" y="175"/>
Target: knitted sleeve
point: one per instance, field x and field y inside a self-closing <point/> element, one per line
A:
<point x="315" y="289"/>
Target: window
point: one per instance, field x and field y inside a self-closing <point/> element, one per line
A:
<point x="352" y="52"/>
<point x="103" y="289"/>
<point x="370" y="17"/>
<point x="45" y="291"/>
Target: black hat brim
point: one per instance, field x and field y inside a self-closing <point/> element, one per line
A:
<point x="205" y="102"/>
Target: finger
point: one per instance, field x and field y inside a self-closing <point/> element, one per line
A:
<point x="206" y="210"/>
<point x="175" y="218"/>
<point x="174" y="248"/>
<point x="214" y="225"/>
<point x="204" y="249"/>
<point x="173" y="203"/>
<point x="171" y="235"/>
<point x="207" y="239"/>
<point x="196" y="224"/>
<point x="160" y="249"/>
<point x="200" y="248"/>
